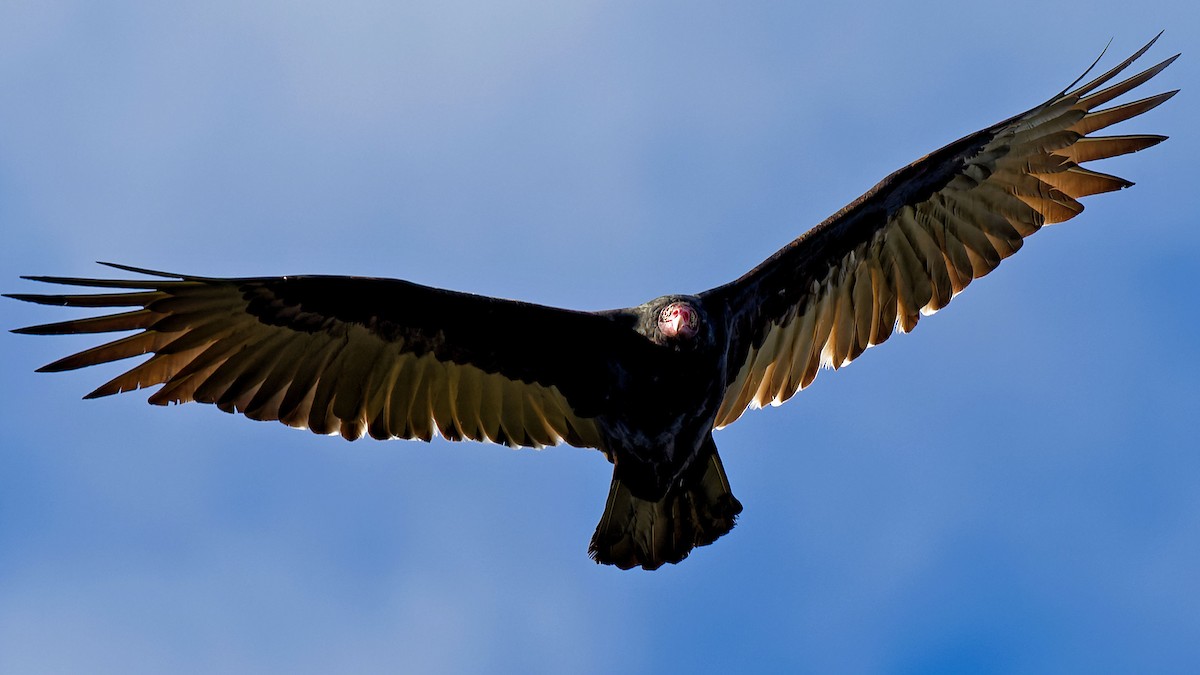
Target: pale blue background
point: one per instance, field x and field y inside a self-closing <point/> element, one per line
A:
<point x="1014" y="488"/>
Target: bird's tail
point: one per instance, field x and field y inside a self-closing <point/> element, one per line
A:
<point x="636" y="532"/>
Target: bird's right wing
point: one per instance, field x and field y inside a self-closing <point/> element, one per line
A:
<point x="353" y="355"/>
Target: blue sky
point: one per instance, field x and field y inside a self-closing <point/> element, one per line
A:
<point x="1012" y="488"/>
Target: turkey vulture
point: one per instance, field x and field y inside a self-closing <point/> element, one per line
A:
<point x="645" y="385"/>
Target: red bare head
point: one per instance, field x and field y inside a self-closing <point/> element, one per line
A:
<point x="679" y="320"/>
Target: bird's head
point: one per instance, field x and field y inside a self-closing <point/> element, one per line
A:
<point x="679" y="321"/>
<point x="676" y="321"/>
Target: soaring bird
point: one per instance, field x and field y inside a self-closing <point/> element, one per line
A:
<point x="645" y="385"/>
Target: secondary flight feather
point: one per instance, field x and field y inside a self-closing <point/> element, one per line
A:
<point x="645" y="385"/>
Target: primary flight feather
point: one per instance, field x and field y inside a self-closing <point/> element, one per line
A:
<point x="645" y="385"/>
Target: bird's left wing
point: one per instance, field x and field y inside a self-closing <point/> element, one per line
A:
<point x="353" y="355"/>
<point x="916" y="239"/>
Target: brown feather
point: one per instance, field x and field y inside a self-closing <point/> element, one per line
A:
<point x="156" y="370"/>
<point x="135" y="320"/>
<point x="803" y="328"/>
<point x="362" y="356"/>
<point x="912" y="286"/>
<point x="822" y="329"/>
<point x="1080" y="182"/>
<point x="133" y="345"/>
<point x="772" y="373"/>
<point x="841" y="337"/>
<point x="884" y="323"/>
<point x="443" y="385"/>
<point x="916" y="226"/>
<point x="1100" y="119"/>
<point x="134" y="299"/>
<point x="1103" y="147"/>
<point x="865" y="313"/>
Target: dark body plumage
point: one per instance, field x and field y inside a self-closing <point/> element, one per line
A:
<point x="646" y="385"/>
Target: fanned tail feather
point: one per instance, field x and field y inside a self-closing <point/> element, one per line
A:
<point x="640" y="533"/>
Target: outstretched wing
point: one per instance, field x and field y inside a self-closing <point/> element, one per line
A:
<point x="351" y="355"/>
<point x="916" y="239"/>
